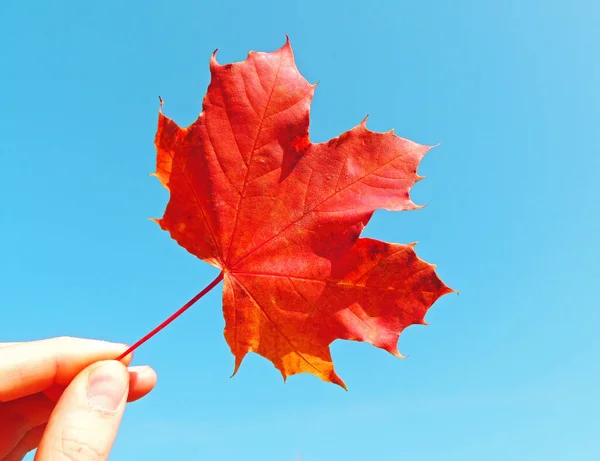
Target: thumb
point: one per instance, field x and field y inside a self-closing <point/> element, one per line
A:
<point x="84" y="424"/>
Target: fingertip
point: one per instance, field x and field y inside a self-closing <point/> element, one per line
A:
<point x="142" y="380"/>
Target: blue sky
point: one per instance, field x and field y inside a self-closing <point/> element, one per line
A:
<point x="507" y="370"/>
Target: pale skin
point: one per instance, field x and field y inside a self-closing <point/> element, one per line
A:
<point x="65" y="397"/>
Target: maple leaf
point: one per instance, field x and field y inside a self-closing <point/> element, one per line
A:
<point x="281" y="217"/>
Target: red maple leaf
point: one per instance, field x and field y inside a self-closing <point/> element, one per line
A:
<point x="281" y="217"/>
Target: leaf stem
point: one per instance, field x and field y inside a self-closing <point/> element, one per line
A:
<point x="180" y="311"/>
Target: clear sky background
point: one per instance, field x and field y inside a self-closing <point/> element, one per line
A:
<point x="508" y="370"/>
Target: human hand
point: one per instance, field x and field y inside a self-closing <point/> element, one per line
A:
<point x="66" y="397"/>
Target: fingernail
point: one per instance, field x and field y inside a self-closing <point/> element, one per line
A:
<point x="107" y="385"/>
<point x="139" y="369"/>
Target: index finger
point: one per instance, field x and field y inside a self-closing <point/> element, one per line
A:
<point x="32" y="367"/>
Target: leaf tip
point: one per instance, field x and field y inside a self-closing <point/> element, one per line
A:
<point x="161" y="103"/>
<point x="427" y="148"/>
<point x="342" y="384"/>
<point x="236" y="367"/>
<point x="214" y="64"/>
<point x="335" y="379"/>
<point x="287" y="47"/>
<point x="445" y="289"/>
<point x="395" y="352"/>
